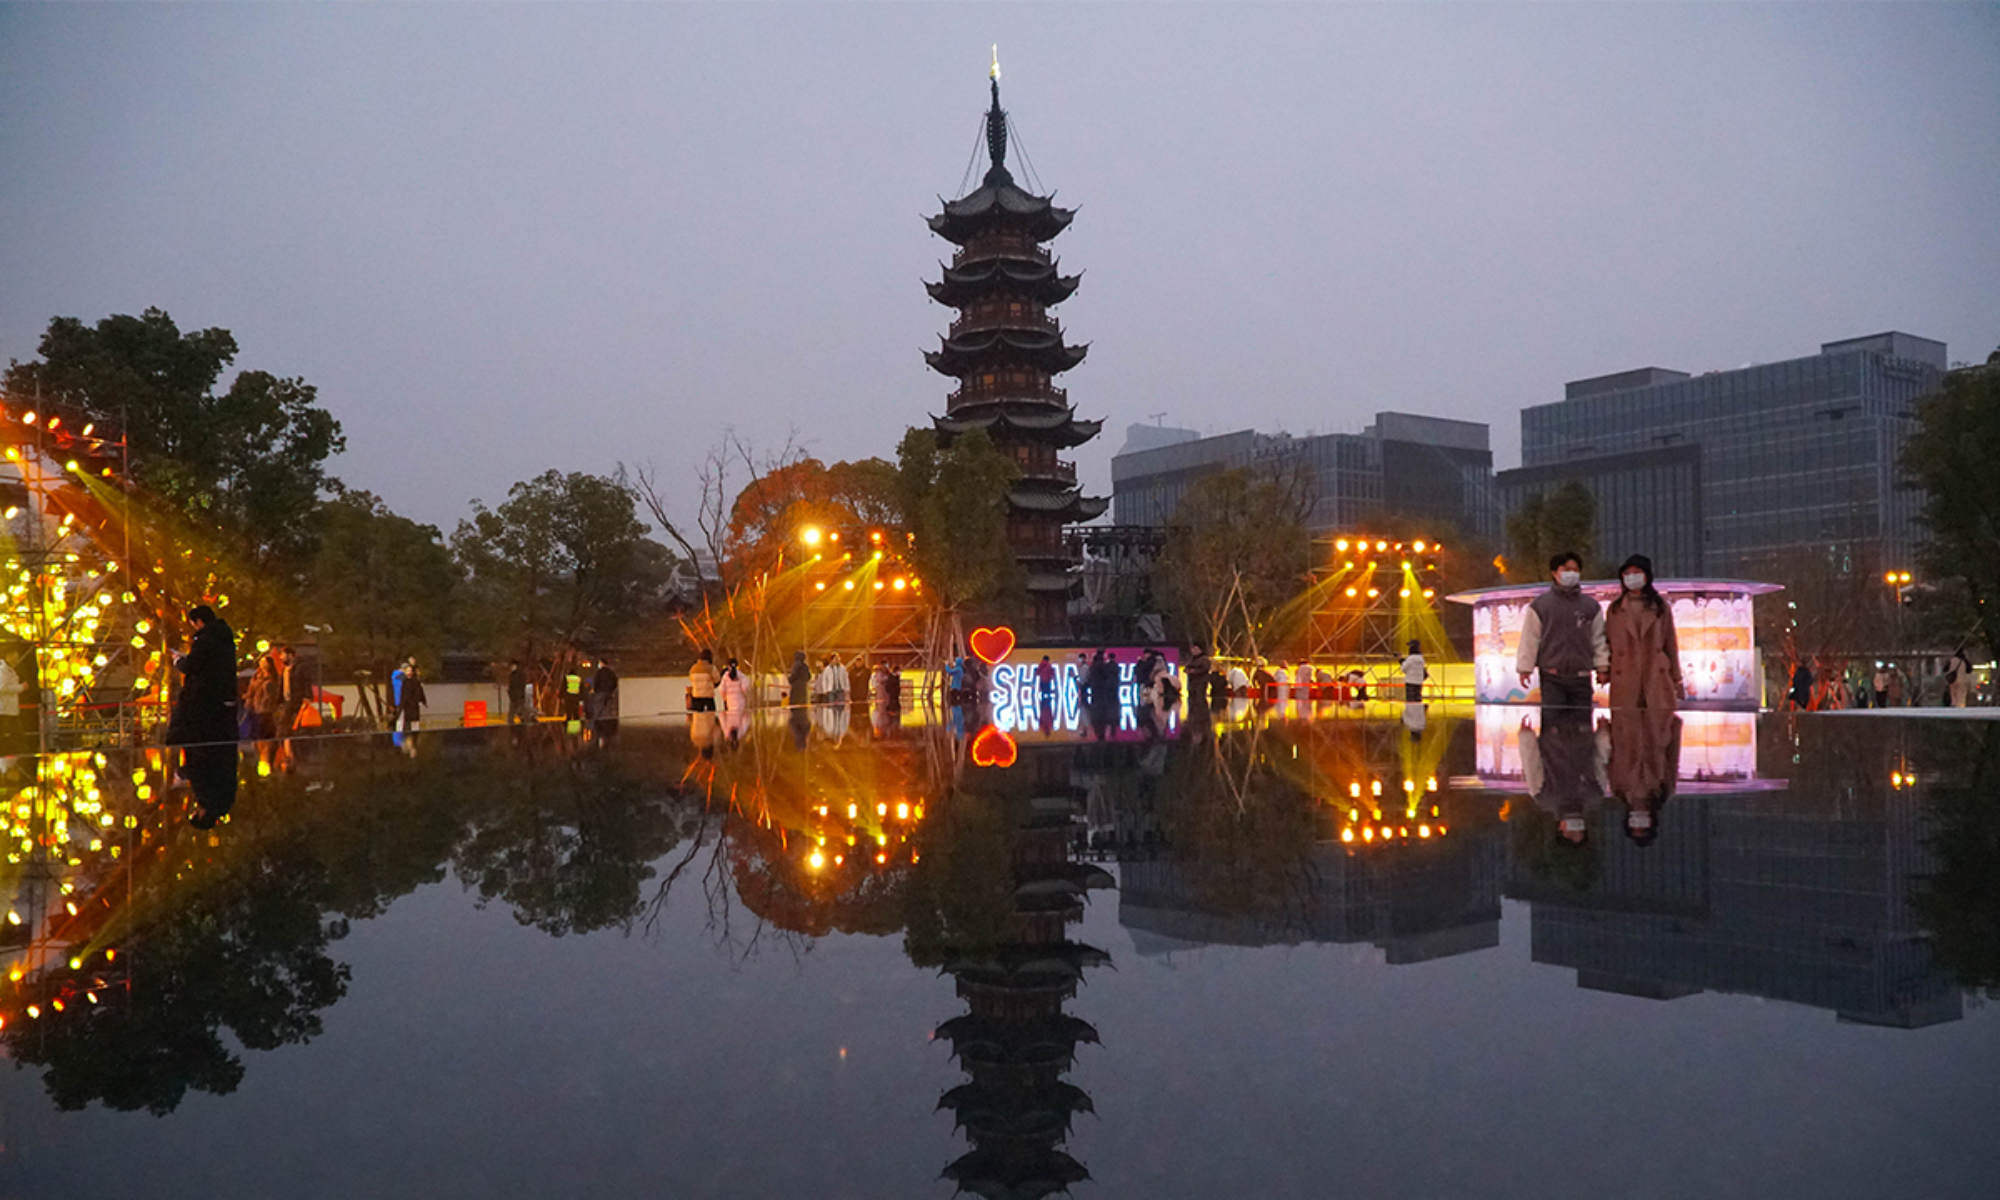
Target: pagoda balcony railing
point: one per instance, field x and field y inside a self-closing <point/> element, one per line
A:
<point x="1056" y="469"/>
<point x="970" y="394"/>
<point x="973" y="322"/>
<point x="986" y="248"/>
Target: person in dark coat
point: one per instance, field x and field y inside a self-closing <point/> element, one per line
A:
<point x="800" y="678"/>
<point x="1802" y="685"/>
<point x="410" y="709"/>
<point x="205" y="705"/>
<point x="604" y="692"/>
<point x="517" y="693"/>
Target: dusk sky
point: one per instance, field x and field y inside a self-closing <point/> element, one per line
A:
<point x="502" y="239"/>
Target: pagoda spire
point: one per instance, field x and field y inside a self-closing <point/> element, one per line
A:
<point x="996" y="130"/>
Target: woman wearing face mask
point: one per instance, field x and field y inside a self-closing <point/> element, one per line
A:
<point x="1645" y="655"/>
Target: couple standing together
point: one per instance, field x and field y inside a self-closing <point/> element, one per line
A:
<point x="1567" y="636"/>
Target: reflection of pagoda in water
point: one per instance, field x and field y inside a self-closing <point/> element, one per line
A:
<point x="1015" y="1041"/>
<point x="1006" y="350"/>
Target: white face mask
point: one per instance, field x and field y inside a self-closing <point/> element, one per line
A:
<point x="1568" y="578"/>
<point x="1634" y="581"/>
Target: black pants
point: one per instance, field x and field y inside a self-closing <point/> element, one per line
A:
<point x="701" y="704"/>
<point x="1413" y="693"/>
<point x="1565" y="691"/>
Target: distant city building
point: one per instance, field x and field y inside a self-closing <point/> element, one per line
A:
<point x="1730" y="472"/>
<point x="1429" y="468"/>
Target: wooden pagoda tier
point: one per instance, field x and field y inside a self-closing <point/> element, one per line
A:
<point x="1005" y="350"/>
<point x="1015" y="1041"/>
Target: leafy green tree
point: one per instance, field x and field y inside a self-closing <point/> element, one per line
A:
<point x="1237" y="551"/>
<point x="375" y="585"/>
<point x="563" y="561"/>
<point x="954" y="502"/>
<point x="1547" y="525"/>
<point x="247" y="461"/>
<point x="1954" y="456"/>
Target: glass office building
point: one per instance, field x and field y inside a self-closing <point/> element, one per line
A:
<point x="1730" y="472"/>
<point x="1433" y="469"/>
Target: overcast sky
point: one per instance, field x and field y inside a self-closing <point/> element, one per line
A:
<point x="506" y="238"/>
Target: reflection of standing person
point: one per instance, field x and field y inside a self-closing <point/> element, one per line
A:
<point x="1414" y="673"/>
<point x="1878" y="686"/>
<point x="205" y="706"/>
<point x="1645" y="759"/>
<point x="1045" y="683"/>
<point x="1197" y="668"/>
<point x="1563" y="766"/>
<point x="1645" y="653"/>
<point x="1895" y="687"/>
<point x="1562" y="637"/>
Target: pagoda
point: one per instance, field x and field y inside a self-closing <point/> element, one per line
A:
<point x="1005" y="350"/>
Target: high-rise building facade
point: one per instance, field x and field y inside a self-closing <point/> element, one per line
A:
<point x="1732" y="472"/>
<point x="1433" y="469"/>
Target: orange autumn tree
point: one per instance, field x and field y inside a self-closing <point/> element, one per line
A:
<point x="772" y="509"/>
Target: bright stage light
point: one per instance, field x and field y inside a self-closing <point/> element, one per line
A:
<point x="811" y="535"/>
<point x="1341" y="544"/>
<point x="1381" y="545"/>
<point x="901" y="583"/>
<point x="1420" y="547"/>
<point x="849" y="585"/>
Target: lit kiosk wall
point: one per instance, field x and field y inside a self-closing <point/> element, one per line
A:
<point x="1712" y="618"/>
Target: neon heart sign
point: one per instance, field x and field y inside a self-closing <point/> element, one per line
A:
<point x="991" y="645"/>
<point x="992" y="748"/>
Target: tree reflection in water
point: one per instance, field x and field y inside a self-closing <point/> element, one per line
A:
<point x="149" y="952"/>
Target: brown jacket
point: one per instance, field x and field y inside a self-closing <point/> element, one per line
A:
<point x="1645" y="655"/>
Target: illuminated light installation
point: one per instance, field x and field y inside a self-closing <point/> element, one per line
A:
<point x="1713" y="620"/>
<point x="991" y="645"/>
<point x="67" y="589"/>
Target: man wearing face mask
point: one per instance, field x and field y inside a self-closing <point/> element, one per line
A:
<point x="1562" y="636"/>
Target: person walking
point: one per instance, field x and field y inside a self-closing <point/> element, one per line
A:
<point x="1958" y="680"/>
<point x="1562" y="637"/>
<point x="1415" y="671"/>
<point x="292" y="691"/>
<point x="517" y="693"/>
<point x="1645" y="652"/>
<point x="261" y="700"/>
<point x="205" y="706"/>
<point x="702" y="678"/>
<point x="731" y="689"/>
<point x="410" y="708"/>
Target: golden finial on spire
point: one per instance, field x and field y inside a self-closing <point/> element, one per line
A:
<point x="996" y="60"/>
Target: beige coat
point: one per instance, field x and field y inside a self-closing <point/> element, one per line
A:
<point x="1645" y="655"/>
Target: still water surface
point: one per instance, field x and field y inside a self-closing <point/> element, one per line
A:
<point x="1281" y="955"/>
